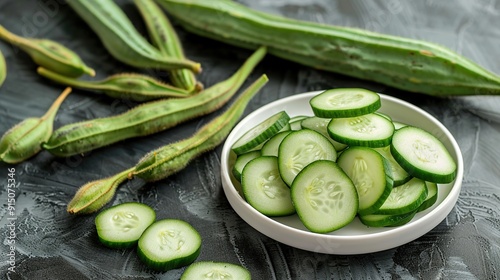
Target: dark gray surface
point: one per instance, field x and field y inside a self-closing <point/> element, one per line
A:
<point x="50" y="244"/>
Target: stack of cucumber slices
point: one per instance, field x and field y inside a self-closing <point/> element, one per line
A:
<point x="347" y="160"/>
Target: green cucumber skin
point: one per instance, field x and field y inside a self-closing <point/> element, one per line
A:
<point x="408" y="64"/>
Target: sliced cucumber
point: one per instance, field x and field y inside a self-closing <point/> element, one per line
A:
<point x="398" y="125"/>
<point x="370" y="174"/>
<point x="324" y="197"/>
<point x="241" y="161"/>
<point x="295" y="122"/>
<point x="206" y="270"/>
<point x="261" y="132"/>
<point x="264" y="189"/>
<point x="422" y="155"/>
<point x="405" y="198"/>
<point x="399" y="175"/>
<point x="270" y="148"/>
<point x="376" y="220"/>
<point x="121" y="226"/>
<point x="432" y="196"/>
<point x="344" y="103"/>
<point x="169" y="244"/>
<point x="369" y="130"/>
<point x="299" y="148"/>
<point x="320" y="125"/>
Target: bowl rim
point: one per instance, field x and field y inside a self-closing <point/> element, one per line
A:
<point x="334" y="243"/>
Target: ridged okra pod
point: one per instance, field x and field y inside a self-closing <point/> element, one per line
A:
<point x="122" y="40"/>
<point x="3" y="68"/>
<point x="147" y="118"/>
<point x="24" y="140"/>
<point x="132" y="86"/>
<point x="167" y="160"/>
<point x="164" y="37"/>
<point x="49" y="54"/>
<point x="411" y="65"/>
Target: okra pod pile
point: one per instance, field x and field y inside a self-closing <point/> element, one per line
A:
<point x="412" y="65"/>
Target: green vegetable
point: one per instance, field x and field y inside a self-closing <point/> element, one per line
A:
<point x="147" y="118"/>
<point x="164" y="37"/>
<point x="207" y="270"/>
<point x="169" y="244"/>
<point x="121" y="39"/>
<point x="24" y="140"/>
<point x="407" y="64"/>
<point x="135" y="87"/>
<point x="49" y="54"/>
<point x="3" y="68"/>
<point x="122" y="225"/>
<point x="163" y="162"/>
<point x="345" y="103"/>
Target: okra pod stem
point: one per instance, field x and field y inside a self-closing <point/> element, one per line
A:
<point x="166" y="160"/>
<point x="164" y="37"/>
<point x="147" y="118"/>
<point x="120" y="37"/>
<point x="24" y="140"/>
<point x="137" y="87"/>
<point x="3" y="68"/>
<point x="412" y="65"/>
<point x="49" y="54"/>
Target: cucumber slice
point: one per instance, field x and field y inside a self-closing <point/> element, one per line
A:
<point x="299" y="148"/>
<point x="261" y="132"/>
<point x="345" y="103"/>
<point x="399" y="175"/>
<point x="405" y="198"/>
<point x="168" y="244"/>
<point x="422" y="155"/>
<point x="264" y="189"/>
<point x="370" y="174"/>
<point x="375" y="220"/>
<point x="369" y="130"/>
<point x="270" y="148"/>
<point x="216" y="271"/>
<point x="295" y="122"/>
<point x="121" y="226"/>
<point x="320" y="125"/>
<point x="324" y="197"/>
<point x="398" y="125"/>
<point x="432" y="195"/>
<point x="241" y="161"/>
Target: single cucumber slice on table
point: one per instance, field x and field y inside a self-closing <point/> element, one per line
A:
<point x="422" y="155"/>
<point x="241" y="161"/>
<point x="370" y="174"/>
<point x="122" y="225"/>
<point x="324" y="197"/>
<point x="344" y="103"/>
<point x="270" y="148"/>
<point x="405" y="198"/>
<point x="432" y="196"/>
<point x="169" y="244"/>
<point x="299" y="148"/>
<point x="320" y="125"/>
<point x="369" y="130"/>
<point x="264" y="189"/>
<point x="215" y="270"/>
<point x="261" y="132"/>
<point x="399" y="175"/>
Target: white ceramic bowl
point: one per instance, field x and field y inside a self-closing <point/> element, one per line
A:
<point x="355" y="238"/>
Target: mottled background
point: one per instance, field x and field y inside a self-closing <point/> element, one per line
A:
<point x="51" y="244"/>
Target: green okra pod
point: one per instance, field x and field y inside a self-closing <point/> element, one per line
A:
<point x="407" y="64"/>
<point x="147" y="118"/>
<point x="166" y="160"/>
<point x="122" y="40"/>
<point x="164" y="37"/>
<point x="3" y="68"/>
<point x="24" y="140"/>
<point x="132" y="86"/>
<point x="49" y="54"/>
